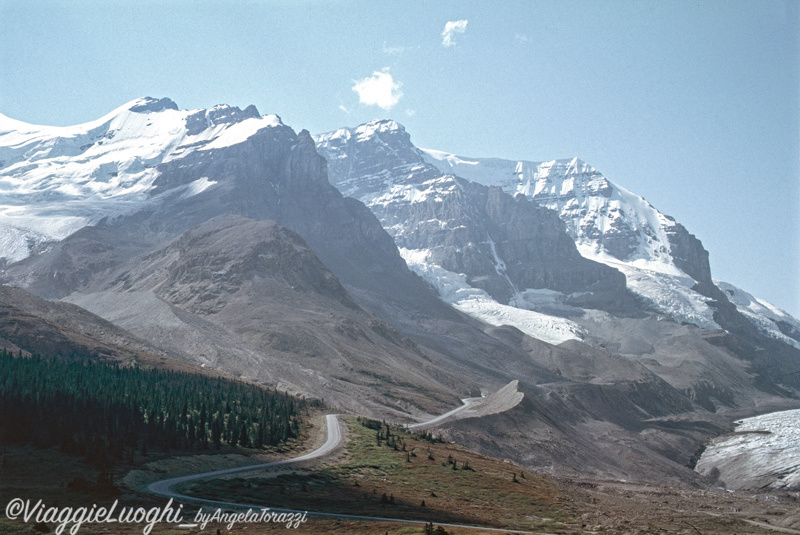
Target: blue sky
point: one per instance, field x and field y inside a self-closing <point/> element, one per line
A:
<point x="693" y="105"/>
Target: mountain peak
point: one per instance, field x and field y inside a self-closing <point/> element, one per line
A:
<point x="381" y="125"/>
<point x="366" y="132"/>
<point x="150" y="104"/>
<point x="88" y="171"/>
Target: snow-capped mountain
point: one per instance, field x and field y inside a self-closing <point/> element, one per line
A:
<point x="56" y="180"/>
<point x="217" y="236"/>
<point x="409" y="188"/>
<point x="490" y="254"/>
<point x="174" y="169"/>
<point x="662" y="261"/>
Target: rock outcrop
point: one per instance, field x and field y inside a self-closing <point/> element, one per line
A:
<point x="503" y="245"/>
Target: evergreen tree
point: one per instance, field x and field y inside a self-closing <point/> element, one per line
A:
<point x="87" y="407"/>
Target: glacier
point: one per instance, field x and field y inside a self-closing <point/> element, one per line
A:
<point x="762" y="452"/>
<point x="453" y="289"/>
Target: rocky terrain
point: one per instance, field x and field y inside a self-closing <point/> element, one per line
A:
<point x="501" y="243"/>
<point x="219" y="238"/>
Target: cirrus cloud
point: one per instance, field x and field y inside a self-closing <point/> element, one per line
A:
<point x="380" y="90"/>
<point x="450" y="29"/>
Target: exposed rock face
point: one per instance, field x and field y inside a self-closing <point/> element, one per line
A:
<point x="150" y="104"/>
<point x="267" y="172"/>
<point x="503" y="245"/>
<point x="205" y="265"/>
<point x="599" y="215"/>
<point x="200" y="120"/>
<point x="665" y="265"/>
<point x="278" y="175"/>
<point x="216" y="235"/>
<point x="689" y="256"/>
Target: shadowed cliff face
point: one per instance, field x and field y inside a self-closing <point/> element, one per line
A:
<point x="689" y="255"/>
<point x="274" y="174"/>
<point x="279" y="176"/>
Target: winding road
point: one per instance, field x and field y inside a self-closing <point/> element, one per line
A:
<point x="165" y="486"/>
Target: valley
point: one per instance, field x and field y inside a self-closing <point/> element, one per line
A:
<point x="479" y="490"/>
<point x="531" y="316"/>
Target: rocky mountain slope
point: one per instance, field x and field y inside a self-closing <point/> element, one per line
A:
<point x="206" y="164"/>
<point x="250" y="297"/>
<point x="468" y="225"/>
<point x="29" y="324"/>
<point x="415" y="192"/>
<point x="663" y="262"/>
<point x="149" y="164"/>
<point x="481" y="247"/>
<point x="216" y="235"/>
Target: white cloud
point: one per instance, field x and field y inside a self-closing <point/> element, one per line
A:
<point x="380" y="90"/>
<point x="450" y="29"/>
<point x="343" y="108"/>
<point x="411" y="113"/>
<point x="522" y="38"/>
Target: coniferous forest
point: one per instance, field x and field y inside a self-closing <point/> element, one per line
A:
<point x="104" y="409"/>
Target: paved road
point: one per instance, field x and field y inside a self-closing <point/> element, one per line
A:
<point x="164" y="487"/>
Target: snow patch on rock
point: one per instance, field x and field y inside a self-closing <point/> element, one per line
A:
<point x="764" y="315"/>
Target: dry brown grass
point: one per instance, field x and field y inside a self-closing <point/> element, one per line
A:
<point x="485" y="494"/>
